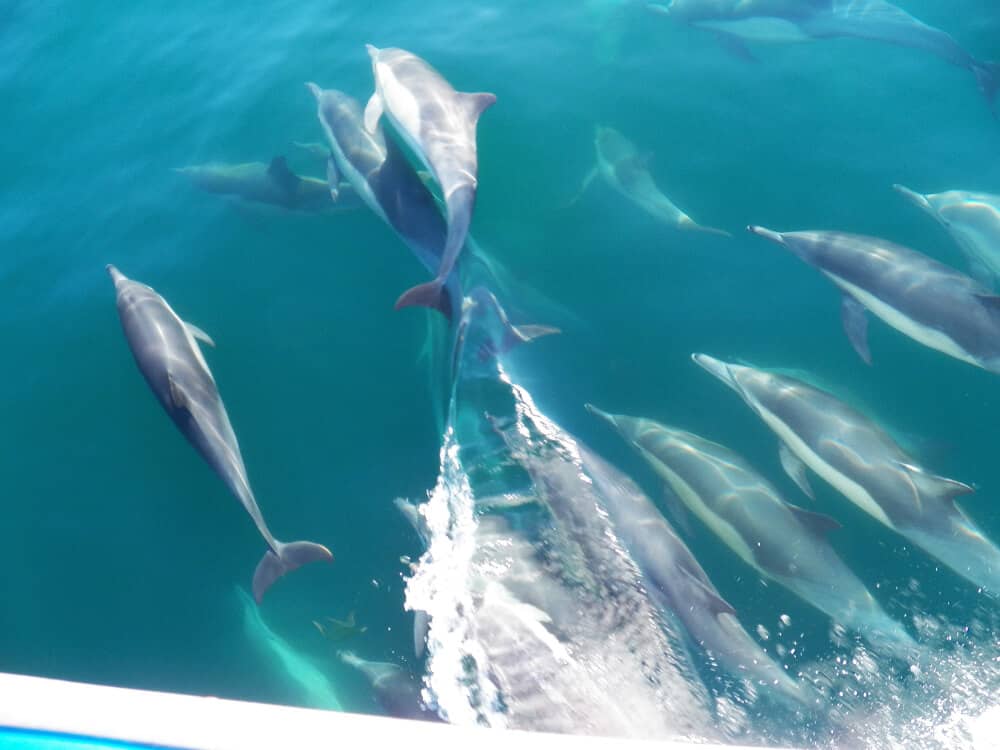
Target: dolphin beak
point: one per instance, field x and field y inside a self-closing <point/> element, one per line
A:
<point x="716" y="367"/>
<point x="609" y="418"/>
<point x="316" y="90"/>
<point x="116" y="276"/>
<point x="767" y="234"/>
<point x="913" y="196"/>
<point x="372" y="51"/>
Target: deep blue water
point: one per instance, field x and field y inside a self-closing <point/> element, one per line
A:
<point x="122" y="551"/>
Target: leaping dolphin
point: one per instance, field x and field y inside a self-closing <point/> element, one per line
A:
<point x="783" y="542"/>
<point x="439" y="124"/>
<point x="167" y="353"/>
<point x="973" y="221"/>
<point x="926" y="300"/>
<point x="620" y="164"/>
<point x="864" y="464"/>
<point x="803" y="20"/>
<point x="272" y="184"/>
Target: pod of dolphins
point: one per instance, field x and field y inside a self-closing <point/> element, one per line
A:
<point x="415" y="109"/>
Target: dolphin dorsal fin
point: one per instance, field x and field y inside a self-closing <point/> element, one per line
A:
<point x="716" y="604"/>
<point x="279" y="172"/>
<point x="818" y="523"/>
<point x="199" y="334"/>
<point x="476" y="104"/>
<point x="934" y="484"/>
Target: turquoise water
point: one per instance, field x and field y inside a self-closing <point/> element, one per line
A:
<point x="123" y="551"/>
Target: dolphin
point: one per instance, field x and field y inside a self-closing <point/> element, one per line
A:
<point x="167" y="353"/>
<point x="421" y="619"/>
<point x="272" y="184"/>
<point x="805" y="20"/>
<point x="679" y="584"/>
<point x="928" y="301"/>
<point x="782" y="542"/>
<point x="862" y="462"/>
<point x="397" y="691"/>
<point x="439" y="124"/>
<point x="973" y="221"/>
<point x="621" y="165"/>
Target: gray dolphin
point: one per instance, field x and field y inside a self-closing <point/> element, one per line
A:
<point x="680" y="585"/>
<point x="803" y="20"/>
<point x="421" y="620"/>
<point x="864" y="464"/>
<point x="973" y="221"/>
<point x="783" y="542"/>
<point x="928" y="301"/>
<point x="620" y="164"/>
<point x="167" y="353"/>
<point x="272" y="184"/>
<point x="397" y="690"/>
<point x="439" y="124"/>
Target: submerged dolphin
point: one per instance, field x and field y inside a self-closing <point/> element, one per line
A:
<point x="783" y="542"/>
<point x="866" y="466"/>
<point x="170" y="360"/>
<point x="680" y="585"/>
<point x="397" y="691"/>
<point x="439" y="124"/>
<point x="803" y="20"/>
<point x="928" y="301"/>
<point x="621" y="165"/>
<point x="273" y="184"/>
<point x="973" y="221"/>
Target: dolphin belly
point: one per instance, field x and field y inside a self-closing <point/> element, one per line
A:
<point x="759" y="29"/>
<point x="894" y="317"/>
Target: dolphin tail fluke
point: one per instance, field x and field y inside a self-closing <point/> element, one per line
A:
<point x="692" y="226"/>
<point x="988" y="78"/>
<point x="284" y="559"/>
<point x="431" y="294"/>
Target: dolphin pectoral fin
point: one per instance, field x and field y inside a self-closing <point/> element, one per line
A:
<point x="284" y="559"/>
<point x="333" y="178"/>
<point x="476" y="104"/>
<point x="199" y="334"/>
<point x="678" y="511"/>
<point x="712" y="600"/>
<point x="587" y="180"/>
<point x="855" y="319"/>
<point x="373" y="113"/>
<point x="283" y="176"/>
<point x="795" y="469"/>
<point x="819" y="524"/>
<point x="735" y="46"/>
<point x="430" y="294"/>
<point x="988" y="78"/>
<point x="177" y="396"/>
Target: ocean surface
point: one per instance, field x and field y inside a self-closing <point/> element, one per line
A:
<point x="125" y="560"/>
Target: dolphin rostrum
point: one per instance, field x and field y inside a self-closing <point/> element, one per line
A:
<point x="272" y="184"/>
<point x="928" y="301"/>
<point x="439" y="124"/>
<point x="396" y="689"/>
<point x="864" y="464"/>
<point x="783" y="542"/>
<point x="973" y="221"/>
<point x="167" y="353"/>
<point x="804" y="20"/>
<point x="620" y="164"/>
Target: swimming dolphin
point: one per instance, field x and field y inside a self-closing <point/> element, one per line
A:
<point x="621" y="165"/>
<point x="783" y="542"/>
<point x="421" y="620"/>
<point x="273" y="184"/>
<point x="167" y="353"/>
<point x="439" y="124"/>
<point x="803" y="20"/>
<point x="928" y="301"/>
<point x="864" y="464"/>
<point x="680" y="585"/>
<point x="397" y="691"/>
<point x="973" y="221"/>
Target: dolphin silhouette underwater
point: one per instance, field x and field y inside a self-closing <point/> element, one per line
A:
<point x="736" y="21"/>
<point x="167" y="353"/>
